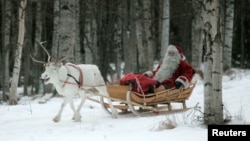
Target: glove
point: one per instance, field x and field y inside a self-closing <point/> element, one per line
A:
<point x="178" y="84"/>
<point x="158" y="83"/>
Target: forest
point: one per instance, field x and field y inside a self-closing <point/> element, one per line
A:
<point x="119" y="36"/>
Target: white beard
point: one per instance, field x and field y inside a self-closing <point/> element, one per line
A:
<point x="168" y="67"/>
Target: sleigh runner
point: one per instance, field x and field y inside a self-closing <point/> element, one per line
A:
<point x="125" y="100"/>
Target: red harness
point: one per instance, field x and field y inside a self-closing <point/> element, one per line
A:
<point x="79" y="81"/>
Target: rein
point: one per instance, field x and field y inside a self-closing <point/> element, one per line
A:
<point x="78" y="82"/>
<point x="74" y="79"/>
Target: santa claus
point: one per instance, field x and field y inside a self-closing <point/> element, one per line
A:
<point x="174" y="71"/>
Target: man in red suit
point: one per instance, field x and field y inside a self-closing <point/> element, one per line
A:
<point x="174" y="71"/>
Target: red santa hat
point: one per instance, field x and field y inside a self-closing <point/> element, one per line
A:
<point x="176" y="49"/>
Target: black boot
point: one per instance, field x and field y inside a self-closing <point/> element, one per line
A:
<point x="151" y="89"/>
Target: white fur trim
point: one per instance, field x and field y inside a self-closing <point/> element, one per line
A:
<point x="172" y="48"/>
<point x="148" y="73"/>
<point x="196" y="77"/>
<point x="185" y="82"/>
<point x="183" y="57"/>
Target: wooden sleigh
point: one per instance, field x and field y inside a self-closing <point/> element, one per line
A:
<point x="127" y="101"/>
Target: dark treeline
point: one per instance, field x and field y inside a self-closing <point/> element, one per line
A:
<point x="108" y="32"/>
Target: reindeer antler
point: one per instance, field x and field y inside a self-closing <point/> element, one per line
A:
<point x="36" y="60"/>
<point x="41" y="44"/>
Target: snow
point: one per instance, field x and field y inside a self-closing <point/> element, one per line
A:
<point x="31" y="120"/>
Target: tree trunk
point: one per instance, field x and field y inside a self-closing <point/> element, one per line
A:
<point x="242" y="34"/>
<point x="213" y="108"/>
<point x="6" y="23"/>
<point x="16" y="70"/>
<point x="90" y="32"/>
<point x="144" y="36"/>
<point x="129" y="40"/>
<point x="217" y="80"/>
<point x="181" y="22"/>
<point x="56" y="31"/>
<point x="165" y="28"/>
<point x="148" y="42"/>
<point x="65" y="30"/>
<point x="78" y="59"/>
<point x="228" y="34"/>
<point x="117" y="47"/>
<point x="38" y="84"/>
<point x="27" y="44"/>
<point x="139" y="37"/>
<point x="197" y="43"/>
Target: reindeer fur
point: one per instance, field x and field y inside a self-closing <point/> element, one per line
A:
<point x="56" y="74"/>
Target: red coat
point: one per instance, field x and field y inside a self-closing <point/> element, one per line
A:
<point x="183" y="73"/>
<point x="142" y="83"/>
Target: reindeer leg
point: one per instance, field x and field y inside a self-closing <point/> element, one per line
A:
<point x="57" y="118"/>
<point x="72" y="106"/>
<point x="77" y="113"/>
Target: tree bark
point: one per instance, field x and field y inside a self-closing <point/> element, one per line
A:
<point x="6" y="23"/>
<point x="197" y="44"/>
<point x="129" y="40"/>
<point x="38" y="84"/>
<point x="144" y="36"/>
<point x="228" y="34"/>
<point x="66" y="29"/>
<point x="165" y="28"/>
<point x="213" y="108"/>
<point x="16" y="70"/>
<point x="90" y="32"/>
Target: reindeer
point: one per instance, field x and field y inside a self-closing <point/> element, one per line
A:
<point x="70" y="80"/>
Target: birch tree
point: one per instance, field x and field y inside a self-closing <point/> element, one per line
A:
<point x="213" y="107"/>
<point x="66" y="27"/>
<point x="165" y="28"/>
<point x="16" y="70"/>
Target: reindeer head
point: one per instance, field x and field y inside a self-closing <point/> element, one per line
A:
<point x="52" y="69"/>
<point x="51" y="73"/>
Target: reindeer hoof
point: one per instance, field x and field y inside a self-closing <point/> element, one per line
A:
<point x="77" y="120"/>
<point x="56" y="119"/>
<point x="114" y="116"/>
<point x="77" y="117"/>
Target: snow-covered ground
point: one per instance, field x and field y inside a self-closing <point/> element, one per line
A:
<point x="32" y="121"/>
